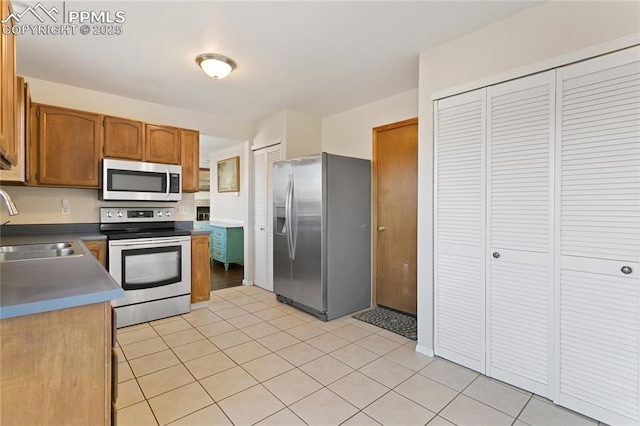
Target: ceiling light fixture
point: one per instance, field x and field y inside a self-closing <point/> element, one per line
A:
<point x="214" y="65"/>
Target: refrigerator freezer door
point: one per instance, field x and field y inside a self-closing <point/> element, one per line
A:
<point x="348" y="234"/>
<point x="307" y="276"/>
<point x="281" y="244"/>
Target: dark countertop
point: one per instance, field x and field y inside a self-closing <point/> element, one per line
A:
<point x="42" y="285"/>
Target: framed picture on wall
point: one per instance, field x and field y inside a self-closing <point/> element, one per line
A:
<point x="229" y="175"/>
<point x="204" y="180"/>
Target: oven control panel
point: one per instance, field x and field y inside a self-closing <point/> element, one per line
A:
<point x="136" y="214"/>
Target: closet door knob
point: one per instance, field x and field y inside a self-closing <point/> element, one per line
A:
<point x="496" y="254"/>
<point x="626" y="270"/>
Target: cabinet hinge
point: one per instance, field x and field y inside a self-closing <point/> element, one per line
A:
<point x="38" y="112"/>
<point x="37" y="176"/>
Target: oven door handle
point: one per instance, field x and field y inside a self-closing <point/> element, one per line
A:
<point x="147" y="242"/>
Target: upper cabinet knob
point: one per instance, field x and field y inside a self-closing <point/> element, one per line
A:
<point x="626" y="270"/>
<point x="381" y="228"/>
<point x="495" y="254"/>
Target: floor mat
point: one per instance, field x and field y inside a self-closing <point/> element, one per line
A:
<point x="396" y="322"/>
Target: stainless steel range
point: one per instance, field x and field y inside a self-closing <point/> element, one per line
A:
<point x="151" y="259"/>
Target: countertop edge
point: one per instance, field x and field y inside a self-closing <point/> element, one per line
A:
<point x="57" y="304"/>
<point x="94" y="283"/>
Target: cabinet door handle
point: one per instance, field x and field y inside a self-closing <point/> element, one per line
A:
<point x="626" y="270"/>
<point x="495" y="254"/>
<point x="381" y="228"/>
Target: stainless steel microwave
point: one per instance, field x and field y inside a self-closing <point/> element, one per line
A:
<point x="140" y="181"/>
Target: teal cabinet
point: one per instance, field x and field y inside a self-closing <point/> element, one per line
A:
<point x="227" y="242"/>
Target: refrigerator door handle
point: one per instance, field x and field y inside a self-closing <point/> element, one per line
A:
<point x="287" y="216"/>
<point x="293" y="225"/>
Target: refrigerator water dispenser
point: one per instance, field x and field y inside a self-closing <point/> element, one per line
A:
<point x="281" y="222"/>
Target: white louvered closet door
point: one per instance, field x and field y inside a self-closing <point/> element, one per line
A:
<point x="520" y="146"/>
<point x="598" y="237"/>
<point x="260" y="206"/>
<point x="273" y="155"/>
<point x="459" y="266"/>
<point x="263" y="160"/>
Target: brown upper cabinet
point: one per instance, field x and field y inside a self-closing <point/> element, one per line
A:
<point x="8" y="144"/>
<point x="66" y="149"/>
<point x="162" y="144"/>
<point x="133" y="140"/>
<point x="123" y="138"/>
<point x="190" y="155"/>
<point x="23" y="102"/>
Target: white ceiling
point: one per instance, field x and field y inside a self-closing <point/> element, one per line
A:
<point x="316" y="57"/>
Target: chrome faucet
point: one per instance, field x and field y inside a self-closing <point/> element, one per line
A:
<point x="13" y="210"/>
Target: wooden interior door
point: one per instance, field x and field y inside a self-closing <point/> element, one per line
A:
<point x="395" y="192"/>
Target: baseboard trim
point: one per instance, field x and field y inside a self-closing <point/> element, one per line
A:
<point x="199" y="305"/>
<point x="247" y="282"/>
<point x="424" y="350"/>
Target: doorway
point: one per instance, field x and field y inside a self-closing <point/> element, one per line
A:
<point x="224" y="278"/>
<point x="395" y="200"/>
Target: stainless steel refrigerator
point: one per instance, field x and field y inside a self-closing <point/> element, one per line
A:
<point x="322" y="234"/>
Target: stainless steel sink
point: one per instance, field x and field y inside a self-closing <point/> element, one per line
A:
<point x="39" y="251"/>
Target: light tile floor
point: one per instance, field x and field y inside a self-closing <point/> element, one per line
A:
<point x="248" y="359"/>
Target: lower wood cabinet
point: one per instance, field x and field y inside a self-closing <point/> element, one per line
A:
<point x="200" y="275"/>
<point x="98" y="249"/>
<point x="56" y="367"/>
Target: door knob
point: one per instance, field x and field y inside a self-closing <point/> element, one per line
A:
<point x="381" y="228"/>
<point x="496" y="254"/>
<point x="626" y="270"/>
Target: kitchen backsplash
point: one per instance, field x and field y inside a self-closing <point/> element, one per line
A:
<point x="43" y="205"/>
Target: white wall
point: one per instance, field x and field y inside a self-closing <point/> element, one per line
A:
<point x="233" y="207"/>
<point x="270" y="130"/>
<point x="42" y="205"/>
<point x="230" y="206"/>
<point x="209" y="144"/>
<point x="303" y="135"/>
<point x="350" y="133"/>
<point x="297" y="133"/>
<point x="541" y="33"/>
<point x="57" y="94"/>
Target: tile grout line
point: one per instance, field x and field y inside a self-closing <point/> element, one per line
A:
<point x="349" y="342"/>
<point x="198" y="380"/>
<point x="522" y="409"/>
